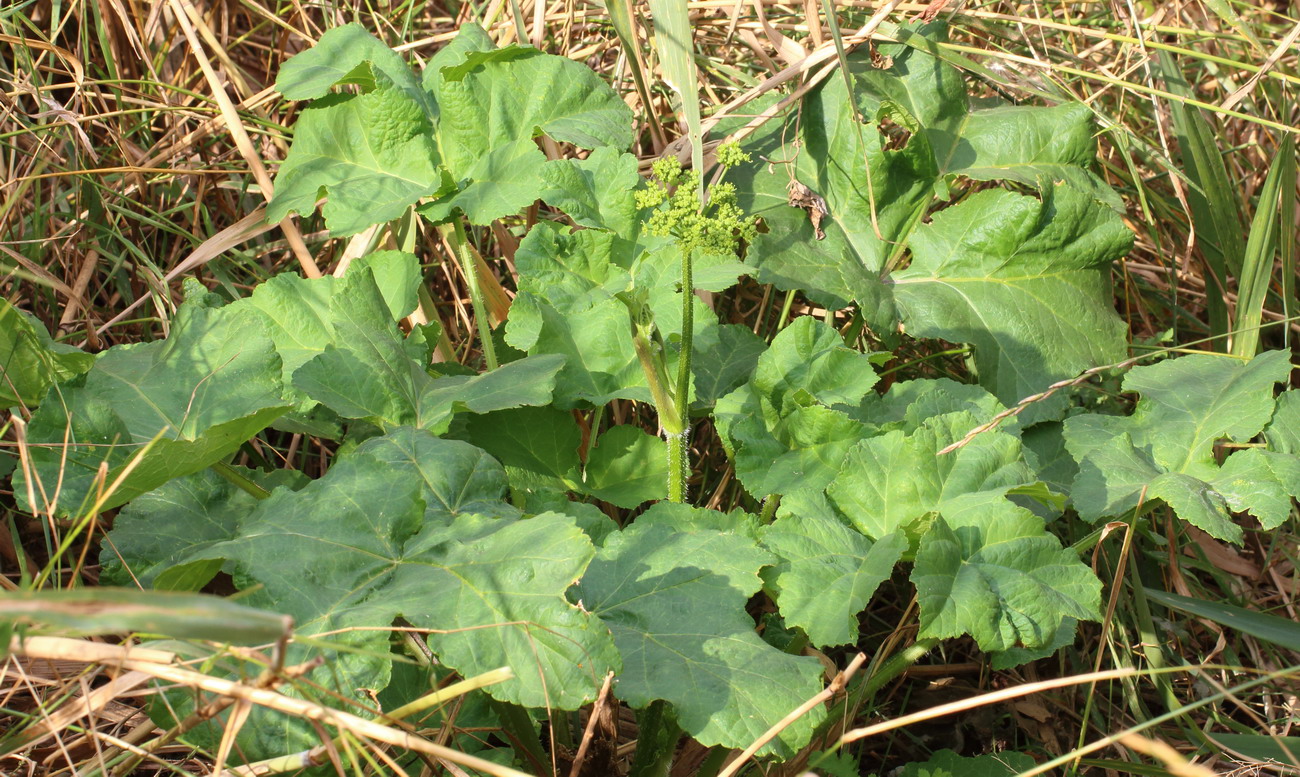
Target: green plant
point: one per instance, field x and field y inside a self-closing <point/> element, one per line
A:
<point x="467" y="506"/>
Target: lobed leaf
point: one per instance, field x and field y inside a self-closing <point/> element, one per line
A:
<point x="827" y="573"/>
<point x="1023" y="279"/>
<point x="368" y="372"/>
<point x="31" y="361"/>
<point x="165" y="409"/>
<point x="780" y="427"/>
<point x="675" y="602"/>
<point x="373" y="154"/>
<point x="1165" y="450"/>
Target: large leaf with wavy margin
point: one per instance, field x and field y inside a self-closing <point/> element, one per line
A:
<point x="202" y="393"/>
<point x="675" y="602"/>
<point x="984" y="565"/>
<point x="30" y="360"/>
<point x="1165" y="450"/>
<point x="827" y="574"/>
<point x="369" y="373"/>
<point x="1025" y="282"/>
<point x="372" y="153"/>
<point x="1022" y="279"/>
<point x="787" y="428"/>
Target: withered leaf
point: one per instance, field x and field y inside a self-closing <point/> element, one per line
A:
<point x="803" y="197"/>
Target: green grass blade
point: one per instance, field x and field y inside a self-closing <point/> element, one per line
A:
<point x="676" y="50"/>
<point x="1287" y="245"/>
<point x="1257" y="263"/>
<point x="1270" y="628"/>
<point x="1229" y="15"/>
<point x="620" y="15"/>
<point x="1262" y="747"/>
<point x="1216" y="208"/>
<point x="93" y="611"/>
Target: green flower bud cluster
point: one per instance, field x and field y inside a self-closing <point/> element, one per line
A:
<point x="730" y="155"/>
<point x="717" y="228"/>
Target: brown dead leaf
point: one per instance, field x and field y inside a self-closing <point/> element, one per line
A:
<point x="1222" y="556"/>
<point x="803" y="197"/>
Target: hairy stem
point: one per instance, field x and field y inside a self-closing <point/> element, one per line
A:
<point x="679" y="465"/>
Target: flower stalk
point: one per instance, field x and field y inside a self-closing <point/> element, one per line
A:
<point x="717" y="227"/>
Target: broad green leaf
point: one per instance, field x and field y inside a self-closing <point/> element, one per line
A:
<point x="491" y="106"/>
<point x="347" y="55"/>
<point x="300" y="319"/>
<point x="946" y="763"/>
<point x="1046" y="453"/>
<point x="1027" y="144"/>
<point x="829" y="151"/>
<point x="30" y="360"/>
<point x="596" y="343"/>
<point x="626" y="466"/>
<point x="1198" y="400"/>
<point x="369" y="373"/>
<point x="470" y="39"/>
<point x="780" y="428"/>
<point x="1018" y="656"/>
<point x="984" y="565"/>
<point x="1165" y="450"/>
<point x="397" y="275"/>
<point x="357" y="548"/>
<point x="897" y="481"/>
<point x="375" y="154"/>
<point x="683" y="517"/>
<point x="723" y="365"/>
<point x="1029" y="288"/>
<point x="575" y="299"/>
<point x="456" y="478"/>
<point x="102" y="610"/>
<point x="675" y="602"/>
<point x="809" y="362"/>
<point x="997" y="575"/>
<point x="539" y="447"/>
<point x="827" y="574"/>
<point x="152" y="537"/>
<point x="499" y="183"/>
<point x="777" y="454"/>
<point x="566" y="304"/>
<point x="201" y="393"/>
<point x="501" y="599"/>
<point x="1022" y="279"/>
<point x="597" y="191"/>
<point x="1283" y="432"/>
<point x="909" y="403"/>
<point x="372" y="154"/>
<point x="499" y="97"/>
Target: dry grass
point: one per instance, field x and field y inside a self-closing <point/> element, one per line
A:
<point x="136" y="139"/>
